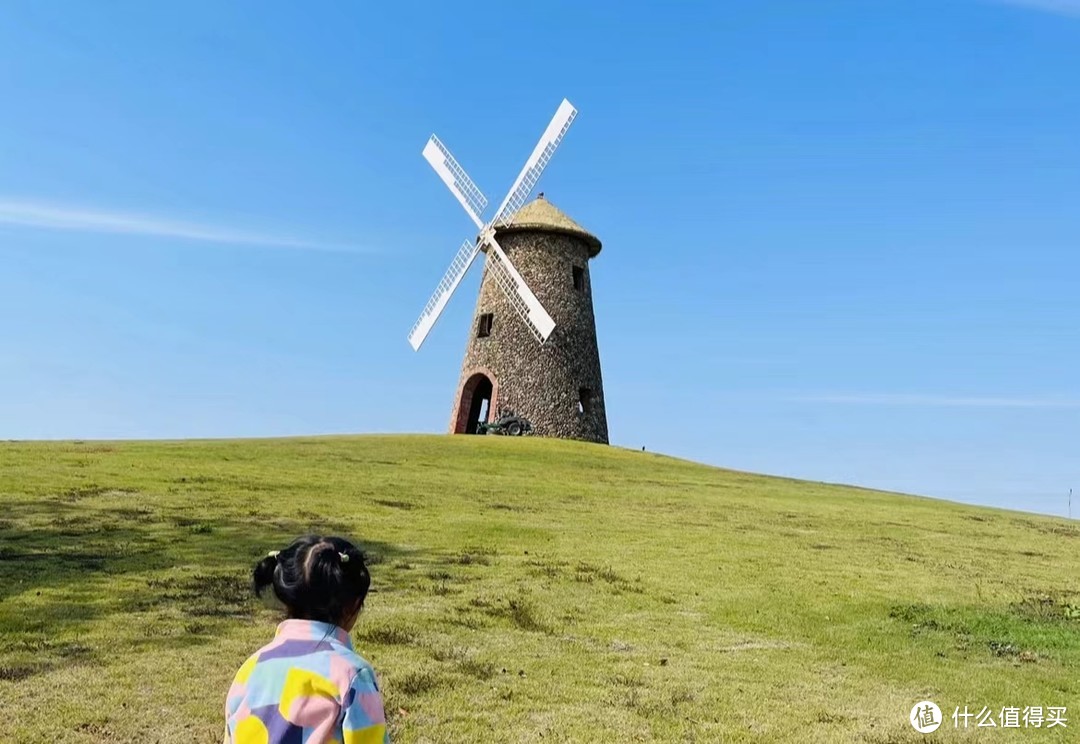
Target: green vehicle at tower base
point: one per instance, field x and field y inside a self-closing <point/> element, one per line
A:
<point x="511" y="426"/>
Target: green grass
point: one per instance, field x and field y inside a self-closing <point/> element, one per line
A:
<point x="524" y="590"/>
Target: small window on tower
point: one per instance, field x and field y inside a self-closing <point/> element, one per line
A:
<point x="579" y="279"/>
<point x="585" y="401"/>
<point x="483" y="328"/>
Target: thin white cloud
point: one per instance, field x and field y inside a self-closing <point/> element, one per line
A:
<point x="45" y="216"/>
<point x="1060" y="7"/>
<point x="946" y="401"/>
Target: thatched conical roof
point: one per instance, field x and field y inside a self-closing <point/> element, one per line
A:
<point x="540" y="214"/>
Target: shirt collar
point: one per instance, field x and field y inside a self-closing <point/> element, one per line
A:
<point x="312" y="630"/>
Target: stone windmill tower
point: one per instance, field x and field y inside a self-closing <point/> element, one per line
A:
<point x="532" y="350"/>
<point x="556" y="385"/>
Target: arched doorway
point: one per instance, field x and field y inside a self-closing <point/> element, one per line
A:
<point x="474" y="405"/>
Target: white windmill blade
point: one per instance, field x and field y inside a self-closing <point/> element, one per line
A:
<point x="517" y="291"/>
<point x="456" y="179"/>
<point x="450" y="281"/>
<point x="536" y="163"/>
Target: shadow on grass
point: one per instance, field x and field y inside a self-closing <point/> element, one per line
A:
<point x="169" y="579"/>
<point x="1029" y="630"/>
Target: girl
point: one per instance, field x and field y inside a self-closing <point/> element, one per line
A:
<point x="308" y="685"/>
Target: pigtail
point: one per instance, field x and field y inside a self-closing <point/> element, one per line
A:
<point x="263" y="581"/>
<point x="356" y="573"/>
<point x="263" y="575"/>
<point x="315" y="578"/>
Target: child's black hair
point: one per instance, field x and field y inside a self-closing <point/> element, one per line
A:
<point x="316" y="578"/>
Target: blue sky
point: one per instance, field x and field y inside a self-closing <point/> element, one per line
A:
<point x="840" y="237"/>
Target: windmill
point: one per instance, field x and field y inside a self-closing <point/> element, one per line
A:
<point x="516" y="361"/>
<point x="521" y="298"/>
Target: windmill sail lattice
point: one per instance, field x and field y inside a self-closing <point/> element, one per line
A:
<point x="443" y="292"/>
<point x="518" y="293"/>
<point x="473" y="201"/>
<point x="536" y="163"/>
<point x="455" y="177"/>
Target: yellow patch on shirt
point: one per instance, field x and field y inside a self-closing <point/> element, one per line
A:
<point x="251" y="731"/>
<point x="370" y="735"/>
<point x="302" y="683"/>
<point x="245" y="671"/>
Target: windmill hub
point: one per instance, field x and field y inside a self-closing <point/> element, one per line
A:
<point x="532" y="351"/>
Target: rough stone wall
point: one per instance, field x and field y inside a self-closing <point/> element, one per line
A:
<point x="541" y="383"/>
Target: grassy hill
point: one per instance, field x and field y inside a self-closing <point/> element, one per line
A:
<point x="525" y="590"/>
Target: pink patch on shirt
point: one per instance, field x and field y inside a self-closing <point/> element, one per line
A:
<point x="371" y="703"/>
<point x="242" y="712"/>
<point x="341" y="672"/>
<point x="314" y="712"/>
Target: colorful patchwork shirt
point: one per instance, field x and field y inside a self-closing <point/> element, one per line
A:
<point x="307" y="686"/>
